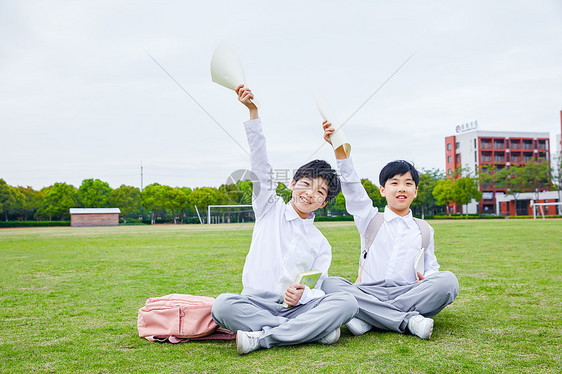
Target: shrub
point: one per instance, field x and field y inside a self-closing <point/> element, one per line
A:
<point x="34" y="223"/>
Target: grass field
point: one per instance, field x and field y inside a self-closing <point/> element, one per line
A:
<point x="69" y="301"/>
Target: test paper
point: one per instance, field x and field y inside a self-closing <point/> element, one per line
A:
<point x="338" y="137"/>
<point x="226" y="68"/>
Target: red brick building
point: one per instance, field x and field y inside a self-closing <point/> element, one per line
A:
<point x="88" y="217"/>
<point x="475" y="150"/>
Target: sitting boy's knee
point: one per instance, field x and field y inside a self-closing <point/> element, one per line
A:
<point x="222" y="305"/>
<point x="345" y="302"/>
<point x="332" y="284"/>
<point x="449" y="283"/>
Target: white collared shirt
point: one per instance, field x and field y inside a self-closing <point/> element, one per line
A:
<point x="392" y="254"/>
<point x="283" y="244"/>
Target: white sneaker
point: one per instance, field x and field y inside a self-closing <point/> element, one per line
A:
<point x="247" y="341"/>
<point x="331" y="338"/>
<point x="358" y="326"/>
<point x="421" y="326"/>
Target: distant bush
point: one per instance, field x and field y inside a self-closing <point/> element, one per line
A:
<point x="34" y="223"/>
<point x="527" y="217"/>
<point x="474" y="216"/>
<point x="456" y="216"/>
<point x="146" y="221"/>
<point x="333" y="218"/>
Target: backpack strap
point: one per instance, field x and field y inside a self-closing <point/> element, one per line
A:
<point x="425" y="230"/>
<point x="370" y="235"/>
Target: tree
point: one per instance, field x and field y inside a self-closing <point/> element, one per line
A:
<point x="509" y="179"/>
<point x="245" y="188"/>
<point x="284" y="192"/>
<point x="536" y="176"/>
<point x="428" y="180"/>
<point x="127" y="199"/>
<point x="374" y="193"/>
<point x="336" y="205"/>
<point x="11" y="199"/>
<point x="4" y="197"/>
<point x="59" y="198"/>
<point x="93" y="193"/>
<point x="202" y="197"/>
<point x="464" y="190"/>
<point x="443" y="193"/>
<point x="153" y="200"/>
<point x="188" y="211"/>
<point x="175" y="200"/>
<point x="32" y="200"/>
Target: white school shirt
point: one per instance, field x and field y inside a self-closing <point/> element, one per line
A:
<point x="283" y="244"/>
<point x="392" y="254"/>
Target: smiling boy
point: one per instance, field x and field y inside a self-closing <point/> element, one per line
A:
<point x="390" y="294"/>
<point x="285" y="242"/>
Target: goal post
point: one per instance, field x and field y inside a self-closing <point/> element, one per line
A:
<point x="539" y="207"/>
<point x="228" y="206"/>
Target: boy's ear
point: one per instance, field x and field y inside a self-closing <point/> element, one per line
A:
<point x="292" y="185"/>
<point x="381" y="188"/>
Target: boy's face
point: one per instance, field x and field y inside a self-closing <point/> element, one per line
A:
<point x="400" y="191"/>
<point x="308" y="195"/>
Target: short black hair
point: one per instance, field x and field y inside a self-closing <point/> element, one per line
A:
<point x="320" y="169"/>
<point x="398" y="167"/>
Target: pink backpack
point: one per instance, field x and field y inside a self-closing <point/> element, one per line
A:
<point x="179" y="318"/>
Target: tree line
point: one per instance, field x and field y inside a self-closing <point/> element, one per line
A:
<point x="435" y="191"/>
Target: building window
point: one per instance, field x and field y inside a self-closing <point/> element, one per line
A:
<point x="449" y="159"/>
<point x="474" y="143"/>
<point x="450" y="171"/>
<point x="458" y="145"/>
<point x="475" y="156"/>
<point x="449" y="146"/>
<point x="499" y="144"/>
<point x="458" y="159"/>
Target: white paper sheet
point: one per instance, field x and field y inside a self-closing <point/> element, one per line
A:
<point x="226" y="68"/>
<point x="338" y="137"/>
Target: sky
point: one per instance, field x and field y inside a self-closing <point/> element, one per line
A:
<point x="81" y="95"/>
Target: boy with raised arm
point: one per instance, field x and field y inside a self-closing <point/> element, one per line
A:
<point x="390" y="294"/>
<point x="285" y="242"/>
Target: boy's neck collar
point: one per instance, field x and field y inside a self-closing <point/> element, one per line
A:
<point x="293" y="213"/>
<point x="392" y="214"/>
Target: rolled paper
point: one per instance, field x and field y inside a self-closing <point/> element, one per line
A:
<point x="226" y="68"/>
<point x="338" y="137"/>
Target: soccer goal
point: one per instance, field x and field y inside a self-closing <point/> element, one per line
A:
<point x="539" y="207"/>
<point x="230" y="213"/>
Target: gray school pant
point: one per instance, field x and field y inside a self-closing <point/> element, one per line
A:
<point x="389" y="305"/>
<point x="258" y="310"/>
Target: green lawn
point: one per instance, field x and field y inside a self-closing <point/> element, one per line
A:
<point x="69" y="300"/>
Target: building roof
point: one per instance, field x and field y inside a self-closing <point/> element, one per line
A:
<point x="94" y="210"/>
<point x="505" y="134"/>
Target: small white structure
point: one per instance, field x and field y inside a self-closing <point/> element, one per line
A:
<point x="89" y="217"/>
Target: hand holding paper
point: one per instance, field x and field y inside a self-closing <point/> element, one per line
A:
<point x="337" y="138"/>
<point x="246" y="97"/>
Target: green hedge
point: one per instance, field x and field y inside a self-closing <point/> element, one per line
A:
<point x="34" y="223"/>
<point x="456" y="216"/>
<point x="333" y="218"/>
<point x="527" y="217"/>
<point x="146" y="221"/>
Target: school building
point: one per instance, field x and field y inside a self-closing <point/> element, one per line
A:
<point x="474" y="150"/>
